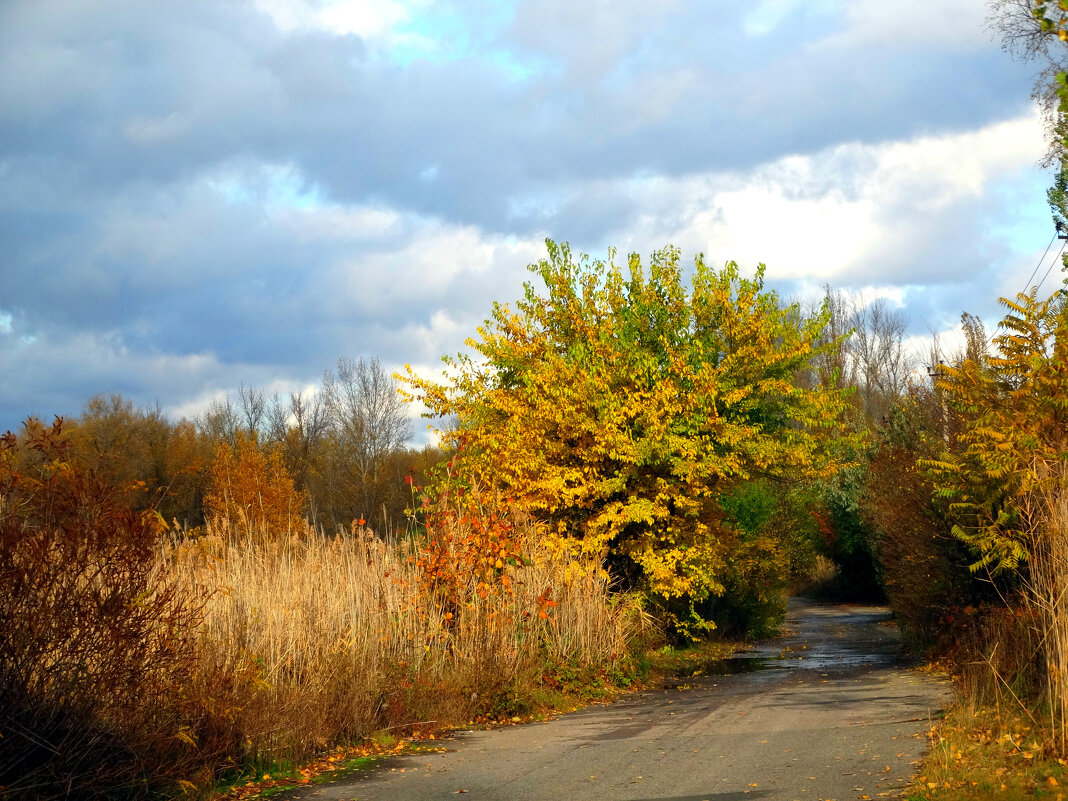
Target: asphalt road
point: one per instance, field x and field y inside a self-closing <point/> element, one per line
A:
<point x="829" y="712"/>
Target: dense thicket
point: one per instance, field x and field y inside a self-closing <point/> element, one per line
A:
<point x="98" y="676"/>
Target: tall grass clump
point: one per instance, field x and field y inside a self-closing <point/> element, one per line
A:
<point x="1047" y="585"/>
<point x="349" y="634"/>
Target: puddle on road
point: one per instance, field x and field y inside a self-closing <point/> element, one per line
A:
<point x="740" y="664"/>
<point x="812" y="661"/>
<point x="838" y="639"/>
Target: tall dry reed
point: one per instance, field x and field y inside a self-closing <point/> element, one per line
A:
<point x="1047" y="584"/>
<point x="340" y="636"/>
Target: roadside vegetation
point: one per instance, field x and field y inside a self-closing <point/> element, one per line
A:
<point x="1001" y="487"/>
<point x="631" y="458"/>
<point x="637" y="462"/>
<point x="180" y="605"/>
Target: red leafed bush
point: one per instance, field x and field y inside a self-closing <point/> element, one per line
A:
<point x="472" y="545"/>
<point x="97" y="669"/>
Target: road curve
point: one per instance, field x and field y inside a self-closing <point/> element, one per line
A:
<point x="829" y="712"/>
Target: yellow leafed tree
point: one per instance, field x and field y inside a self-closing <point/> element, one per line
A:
<point x="618" y="404"/>
<point x="254" y="490"/>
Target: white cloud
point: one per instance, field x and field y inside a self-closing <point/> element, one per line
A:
<point x="838" y="214"/>
<point x="434" y="264"/>
<point x="767" y="15"/>
<point x="948" y="24"/>
<point x="340" y="222"/>
<point x="367" y="18"/>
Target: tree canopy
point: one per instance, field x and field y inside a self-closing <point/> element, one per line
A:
<point x="1014" y="438"/>
<point x="618" y="404"/>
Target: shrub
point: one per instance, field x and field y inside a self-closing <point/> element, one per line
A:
<point x="774" y="547"/>
<point x="97" y="672"/>
<point x="924" y="569"/>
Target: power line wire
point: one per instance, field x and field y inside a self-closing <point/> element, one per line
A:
<point x="1054" y="262"/>
<point x="993" y="334"/>
<point x="1041" y="259"/>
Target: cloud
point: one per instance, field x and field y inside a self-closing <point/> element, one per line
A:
<point x="249" y="271"/>
<point x="116" y="99"/>
<point x="222" y="192"/>
<point x="370" y="18"/>
<point x="910" y="24"/>
<point x="852" y="212"/>
<point x="768" y="15"/>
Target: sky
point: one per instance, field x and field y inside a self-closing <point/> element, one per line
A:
<point x="198" y="195"/>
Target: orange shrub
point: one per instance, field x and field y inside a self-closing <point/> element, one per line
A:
<point x="471" y="546"/>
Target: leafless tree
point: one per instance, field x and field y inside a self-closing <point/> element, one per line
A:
<point x="298" y="424"/>
<point x="872" y="356"/>
<point x="310" y="417"/>
<point x="878" y="350"/>
<point x="367" y="417"/>
<point x="833" y="365"/>
<point x="276" y="428"/>
<point x="220" y="421"/>
<point x="253" y="404"/>
<point x="1023" y="37"/>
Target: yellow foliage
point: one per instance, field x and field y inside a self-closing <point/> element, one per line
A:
<point x="1013" y="441"/>
<point x="254" y="489"/>
<point x="620" y="403"/>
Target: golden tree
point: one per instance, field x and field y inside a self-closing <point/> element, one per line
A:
<point x="254" y="490"/>
<point x="1013" y="409"/>
<point x="619" y="404"/>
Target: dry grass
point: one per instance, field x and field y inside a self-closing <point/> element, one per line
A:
<point x="343" y="638"/>
<point x="1047" y="584"/>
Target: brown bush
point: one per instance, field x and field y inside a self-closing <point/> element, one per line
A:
<point x="924" y="568"/>
<point x="996" y="657"/>
<point x="97" y="674"/>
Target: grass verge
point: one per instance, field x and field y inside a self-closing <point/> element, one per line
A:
<point x="564" y="691"/>
<point x="996" y="753"/>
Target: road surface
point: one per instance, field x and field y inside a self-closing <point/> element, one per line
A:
<point x="829" y="712"/>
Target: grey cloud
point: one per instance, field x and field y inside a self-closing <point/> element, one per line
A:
<point x="121" y="124"/>
<point x="196" y="84"/>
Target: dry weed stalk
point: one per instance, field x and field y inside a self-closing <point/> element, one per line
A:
<point x="1048" y="586"/>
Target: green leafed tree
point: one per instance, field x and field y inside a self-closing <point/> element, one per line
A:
<point x="618" y="403"/>
<point x="1013" y="443"/>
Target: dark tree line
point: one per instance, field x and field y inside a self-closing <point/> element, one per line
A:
<point x="346" y="444"/>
